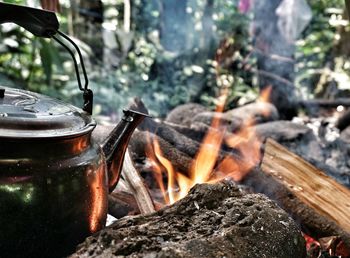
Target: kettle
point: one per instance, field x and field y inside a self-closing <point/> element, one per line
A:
<point x="54" y="179"/>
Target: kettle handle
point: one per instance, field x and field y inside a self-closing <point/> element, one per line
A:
<point x="39" y="22"/>
<point x="44" y="23"/>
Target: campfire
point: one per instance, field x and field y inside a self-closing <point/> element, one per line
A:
<point x="204" y="167"/>
<point x="242" y="152"/>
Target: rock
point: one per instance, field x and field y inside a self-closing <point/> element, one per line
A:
<point x="254" y="113"/>
<point x="211" y="221"/>
<point x="231" y="123"/>
<point x="183" y="114"/>
<point x="282" y="130"/>
<point x="259" y="112"/>
<point x="296" y="137"/>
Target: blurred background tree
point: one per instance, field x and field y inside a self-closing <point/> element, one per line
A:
<point x="169" y="53"/>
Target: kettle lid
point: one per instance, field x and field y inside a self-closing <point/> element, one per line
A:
<point x="25" y="114"/>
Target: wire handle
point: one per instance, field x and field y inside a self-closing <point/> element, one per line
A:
<point x="88" y="94"/>
<point x="45" y="24"/>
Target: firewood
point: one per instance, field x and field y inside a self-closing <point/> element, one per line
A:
<point x="140" y="140"/>
<point x="121" y="204"/>
<point x="135" y="183"/>
<point x="310" y="196"/>
<point x="313" y="187"/>
<point x="178" y="140"/>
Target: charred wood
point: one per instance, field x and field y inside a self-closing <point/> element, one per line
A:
<point x="173" y="137"/>
<point x="140" y="141"/>
<point x="196" y="131"/>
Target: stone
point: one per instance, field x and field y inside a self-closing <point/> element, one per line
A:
<point x="183" y="114"/>
<point x="256" y="112"/>
<point x="218" y="220"/>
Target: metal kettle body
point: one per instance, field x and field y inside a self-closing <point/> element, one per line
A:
<point x="52" y="195"/>
<point x="54" y="179"/>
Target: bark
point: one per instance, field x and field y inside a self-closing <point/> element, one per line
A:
<point x="179" y="159"/>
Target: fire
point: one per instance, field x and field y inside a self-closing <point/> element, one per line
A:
<point x="265" y="95"/>
<point x="208" y="165"/>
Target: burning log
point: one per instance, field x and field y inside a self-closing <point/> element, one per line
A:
<point x="176" y="147"/>
<point x="179" y="159"/>
<point x="212" y="221"/>
<point x="173" y="137"/>
<point x="311" y="197"/>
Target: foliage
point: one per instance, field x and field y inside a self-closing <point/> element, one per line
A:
<point x="214" y="54"/>
<point x="316" y="55"/>
<point x="142" y="66"/>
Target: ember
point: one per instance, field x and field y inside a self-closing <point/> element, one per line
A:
<point x="324" y="247"/>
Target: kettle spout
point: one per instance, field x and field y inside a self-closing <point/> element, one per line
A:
<point x="114" y="147"/>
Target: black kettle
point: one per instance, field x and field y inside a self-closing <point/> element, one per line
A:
<point x="54" y="179"/>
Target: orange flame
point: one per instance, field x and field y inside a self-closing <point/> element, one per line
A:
<point x="265" y="95"/>
<point x="206" y="167"/>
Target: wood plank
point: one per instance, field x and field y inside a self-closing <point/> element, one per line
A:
<point x="314" y="188"/>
